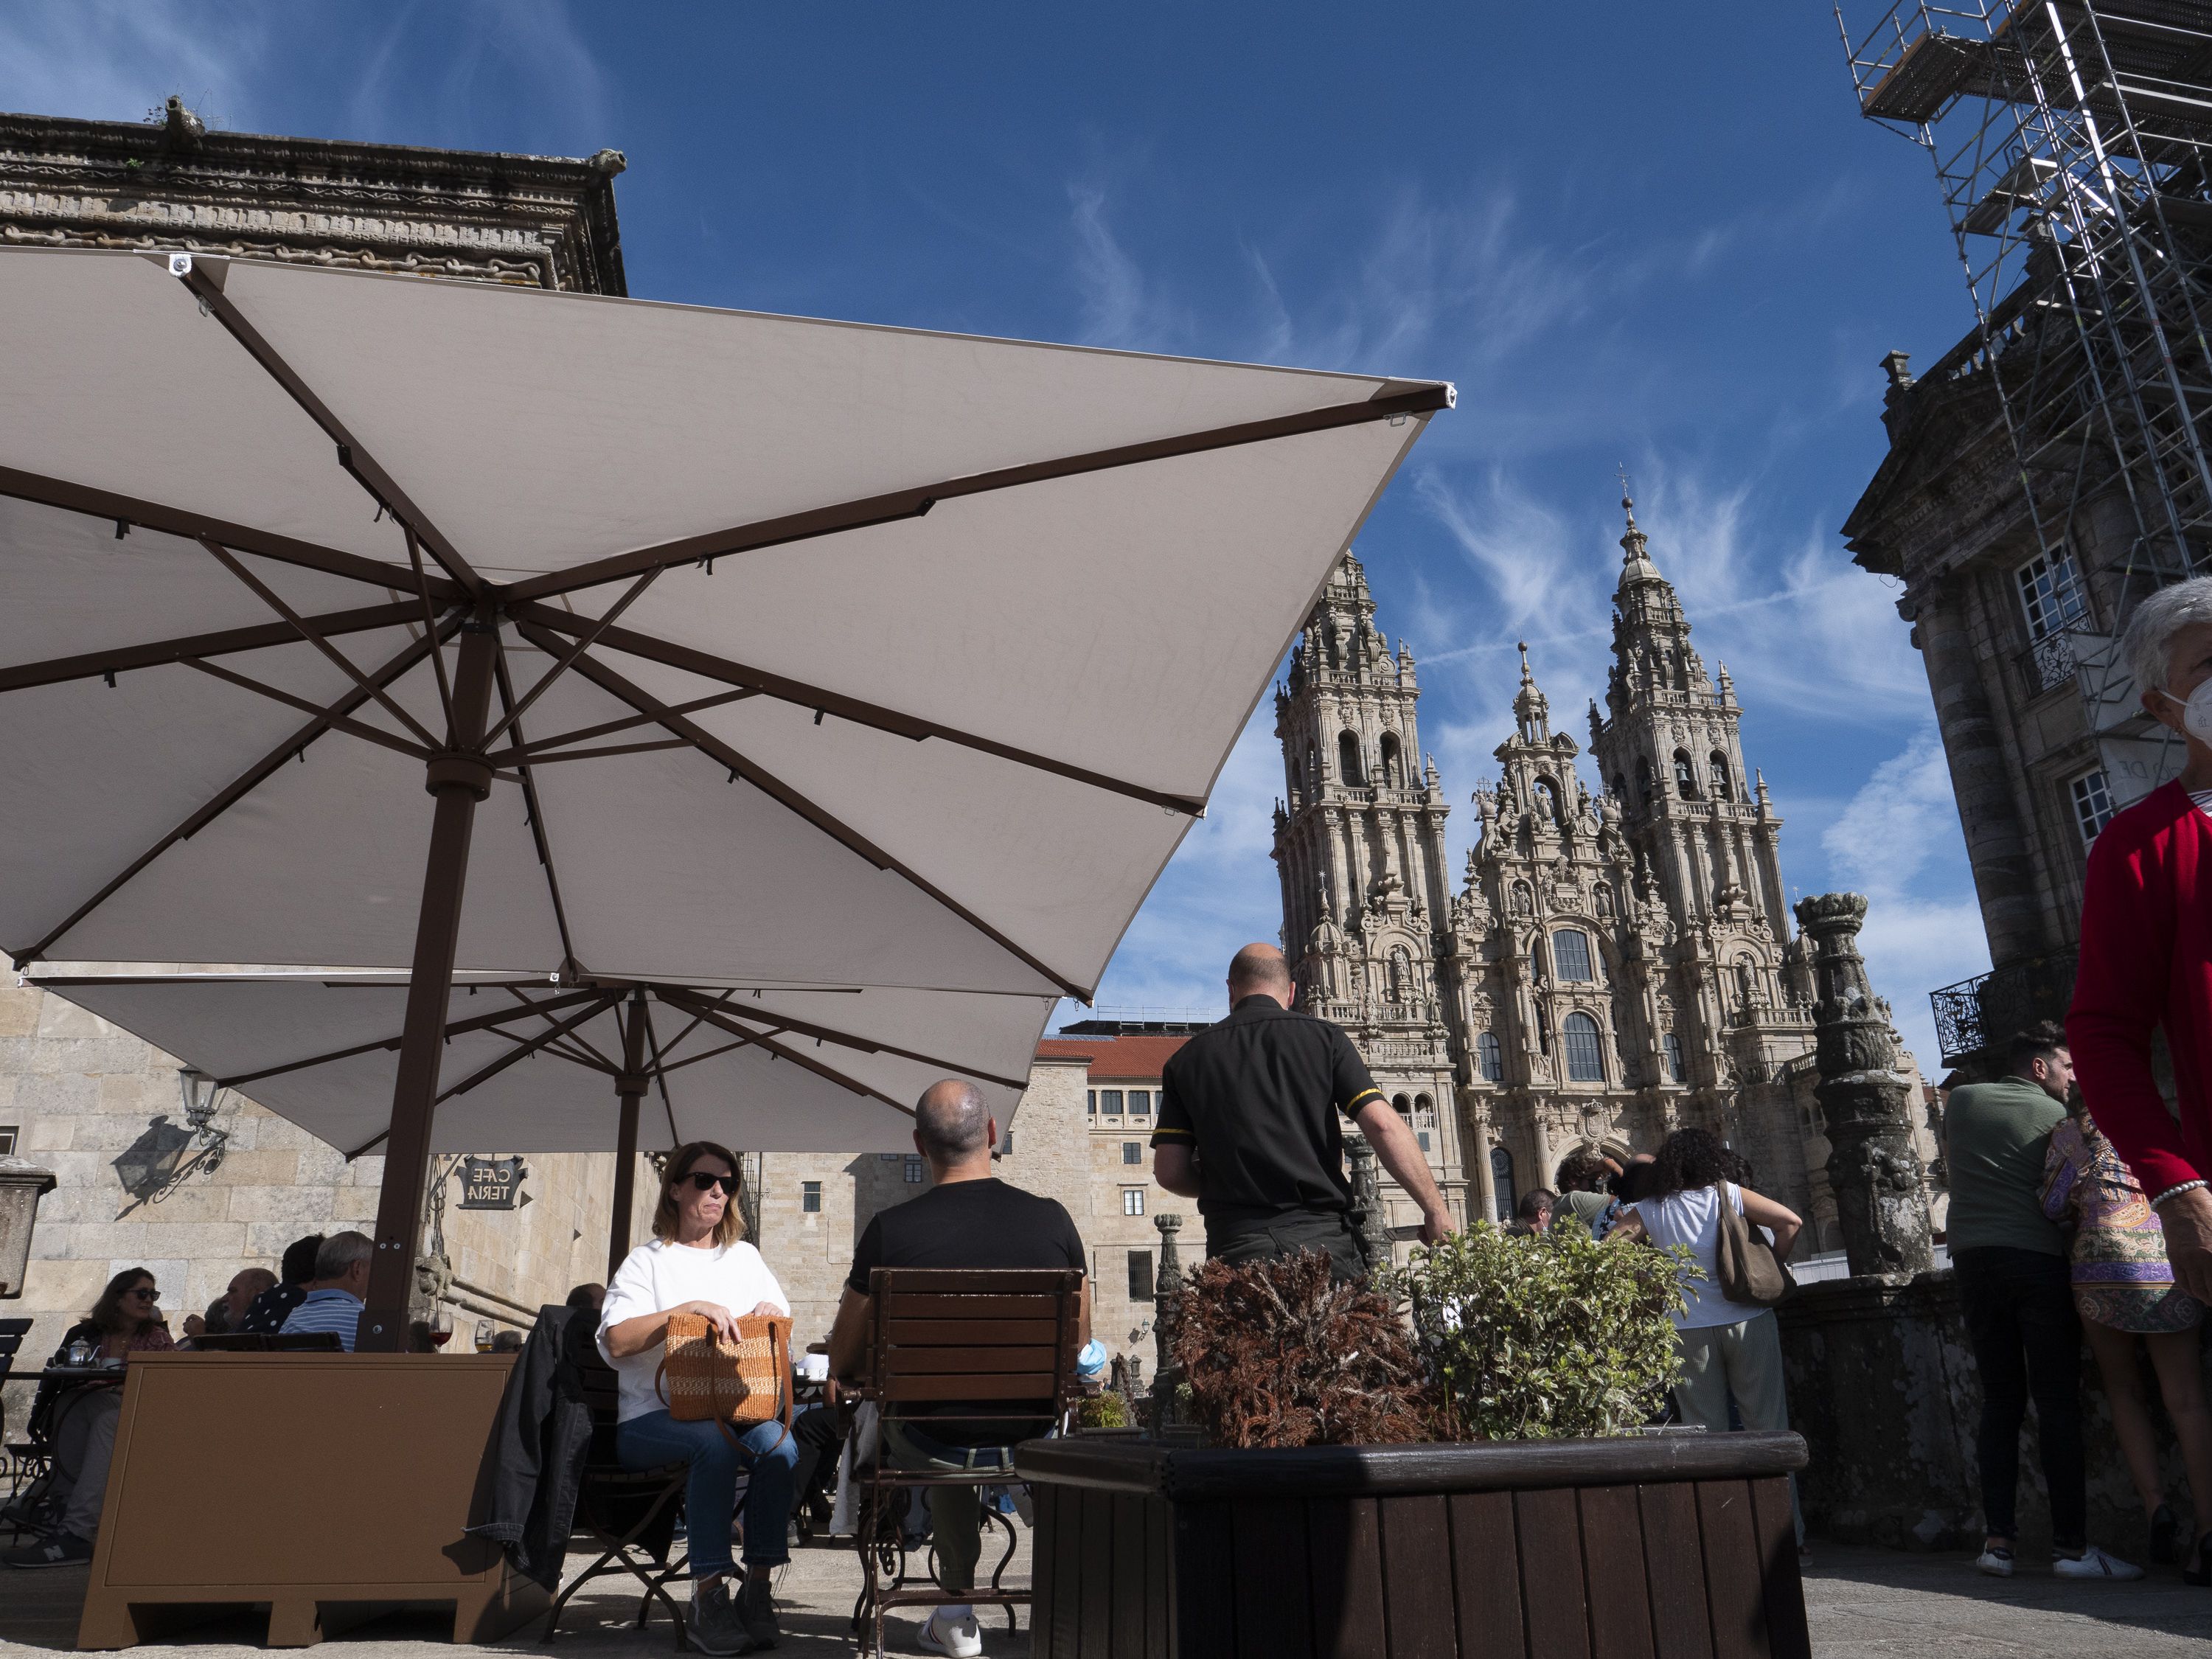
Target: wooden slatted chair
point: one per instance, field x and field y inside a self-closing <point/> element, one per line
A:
<point x="978" y="1335"/>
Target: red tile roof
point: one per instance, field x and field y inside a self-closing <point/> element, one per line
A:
<point x="1115" y="1059"/>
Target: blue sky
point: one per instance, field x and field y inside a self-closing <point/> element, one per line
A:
<point x="1650" y="236"/>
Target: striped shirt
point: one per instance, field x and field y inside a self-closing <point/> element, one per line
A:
<point x="327" y="1311"/>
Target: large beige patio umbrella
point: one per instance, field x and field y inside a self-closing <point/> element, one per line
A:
<point x="777" y="652"/>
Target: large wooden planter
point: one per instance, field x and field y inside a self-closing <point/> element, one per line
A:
<point x="324" y="1486"/>
<point x="1672" y="1547"/>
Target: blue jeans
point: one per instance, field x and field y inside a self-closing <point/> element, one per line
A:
<point x="765" y="1452"/>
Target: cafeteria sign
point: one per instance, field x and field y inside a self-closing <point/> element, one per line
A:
<point x="492" y="1183"/>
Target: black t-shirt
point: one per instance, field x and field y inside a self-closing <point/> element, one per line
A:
<point x="970" y="1224"/>
<point x="1259" y="1095"/>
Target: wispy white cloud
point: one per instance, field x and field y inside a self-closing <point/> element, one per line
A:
<point x="114" y="60"/>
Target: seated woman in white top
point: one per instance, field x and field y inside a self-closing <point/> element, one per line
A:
<point x="698" y="1263"/>
<point x="1726" y="1347"/>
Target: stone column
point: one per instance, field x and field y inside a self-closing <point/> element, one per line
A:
<point x="1881" y="1200"/>
<point x="1167" y="1298"/>
<point x="1997" y="841"/>
<point x="22" y="1184"/>
<point x="1367" y="1218"/>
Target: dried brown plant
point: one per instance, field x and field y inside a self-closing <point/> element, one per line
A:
<point x="1276" y="1353"/>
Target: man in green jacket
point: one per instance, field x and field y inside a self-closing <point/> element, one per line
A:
<point x="2017" y="1292"/>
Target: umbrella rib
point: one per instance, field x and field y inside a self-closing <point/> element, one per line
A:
<point x="269" y="596"/>
<point x="584" y="1042"/>
<point x="474" y="1023"/>
<point x="422" y="586"/>
<point x="351" y="728"/>
<point x="352" y="455"/>
<point x="793" y="801"/>
<point x="522" y="757"/>
<point x="727" y="1047"/>
<point x="239" y="788"/>
<point x="802" y="1061"/>
<point x="801" y="695"/>
<point x="660" y="1077"/>
<point x="585" y="640"/>
<point x="174" y="521"/>
<point x="535" y="810"/>
<point x="541" y="748"/>
<point x="55" y="671"/>
<point x="1385" y="404"/>
<point x="846" y="1039"/>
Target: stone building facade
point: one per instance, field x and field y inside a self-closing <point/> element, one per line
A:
<point x="2040" y="721"/>
<point x="101" y="1108"/>
<point x="1615" y="964"/>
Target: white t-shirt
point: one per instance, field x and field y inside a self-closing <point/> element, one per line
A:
<point x="1694" y="1217"/>
<point x="660" y="1275"/>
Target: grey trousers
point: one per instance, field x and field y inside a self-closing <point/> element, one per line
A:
<point x="84" y="1446"/>
<point x="955" y="1513"/>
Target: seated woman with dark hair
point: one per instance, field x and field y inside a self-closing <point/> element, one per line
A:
<point x="699" y="1263"/>
<point x="126" y="1320"/>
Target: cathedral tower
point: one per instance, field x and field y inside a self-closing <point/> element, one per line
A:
<point x="1359" y="844"/>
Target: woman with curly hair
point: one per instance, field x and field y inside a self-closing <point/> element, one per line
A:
<point x="1726" y="1347"/>
<point x="126" y="1320"/>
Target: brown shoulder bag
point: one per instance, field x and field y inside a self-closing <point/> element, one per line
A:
<point x="705" y="1379"/>
<point x="1745" y="1263"/>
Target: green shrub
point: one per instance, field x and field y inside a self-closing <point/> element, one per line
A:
<point x="1104" y="1411"/>
<point x="1545" y="1338"/>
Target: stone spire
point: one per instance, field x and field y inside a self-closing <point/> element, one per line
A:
<point x="1531" y="712"/>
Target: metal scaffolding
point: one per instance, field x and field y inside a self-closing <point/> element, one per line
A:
<point x="2072" y="144"/>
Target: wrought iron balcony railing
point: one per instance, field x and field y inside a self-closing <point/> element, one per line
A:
<point x="2049" y="663"/>
<point x="1976" y="1014"/>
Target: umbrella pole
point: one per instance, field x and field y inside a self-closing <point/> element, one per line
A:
<point x="629" y="1088"/>
<point x="459" y="779"/>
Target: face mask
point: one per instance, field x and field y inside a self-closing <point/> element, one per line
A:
<point x="2196" y="712"/>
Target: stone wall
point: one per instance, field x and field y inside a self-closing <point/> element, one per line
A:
<point x="1884" y="1389"/>
<point x="92" y="1103"/>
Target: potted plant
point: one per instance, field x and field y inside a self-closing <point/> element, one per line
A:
<point x="1468" y="1480"/>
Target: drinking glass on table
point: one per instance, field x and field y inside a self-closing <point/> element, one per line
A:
<point x="441" y="1327"/>
<point x="483" y="1336"/>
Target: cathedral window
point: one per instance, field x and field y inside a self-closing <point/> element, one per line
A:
<point x="1348" y="760"/>
<point x="1490" y="1057"/>
<point x="1571" y="955"/>
<point x="1585" y="1049"/>
<point x="1390" y="778"/>
<point x="1718" y="770"/>
<point x="1402" y="1104"/>
<point x="1676" y="1071"/>
<point x="2050" y="594"/>
<point x="1685" y="775"/>
<point x="1501" y="1177"/>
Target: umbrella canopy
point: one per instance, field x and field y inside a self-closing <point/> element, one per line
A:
<point x="778" y="651"/>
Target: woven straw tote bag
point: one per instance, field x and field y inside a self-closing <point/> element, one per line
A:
<point x="705" y="1379"/>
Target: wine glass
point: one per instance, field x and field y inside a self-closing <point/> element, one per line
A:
<point x="483" y="1336"/>
<point x="441" y="1327"/>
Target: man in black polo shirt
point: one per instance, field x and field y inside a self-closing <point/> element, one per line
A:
<point x="968" y="1219"/>
<point x="1249" y="1127"/>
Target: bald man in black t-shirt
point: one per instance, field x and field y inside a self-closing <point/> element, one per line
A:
<point x="1251" y="1126"/>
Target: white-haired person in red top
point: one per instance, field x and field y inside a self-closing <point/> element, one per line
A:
<point x="2146" y="961"/>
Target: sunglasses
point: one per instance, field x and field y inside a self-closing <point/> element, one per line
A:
<point x="146" y="1291"/>
<point x="700" y="1180"/>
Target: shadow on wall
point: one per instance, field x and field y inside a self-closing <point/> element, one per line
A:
<point x="1883" y="1387"/>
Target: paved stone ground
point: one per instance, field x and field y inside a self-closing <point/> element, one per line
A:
<point x="1865" y="1604"/>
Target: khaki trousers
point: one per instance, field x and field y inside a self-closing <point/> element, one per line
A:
<point x="1743" y="1359"/>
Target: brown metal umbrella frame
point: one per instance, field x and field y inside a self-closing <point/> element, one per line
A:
<point x="455" y="603"/>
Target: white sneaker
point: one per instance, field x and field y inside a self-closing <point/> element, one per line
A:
<point x="961" y="1638"/>
<point x="1996" y="1563"/>
<point x="2093" y="1563"/>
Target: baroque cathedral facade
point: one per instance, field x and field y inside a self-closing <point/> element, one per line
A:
<point x="1615" y="965"/>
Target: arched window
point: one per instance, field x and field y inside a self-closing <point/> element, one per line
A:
<point x="1348" y="760"/>
<point x="1676" y="1072"/>
<point x="1685" y="775"/>
<point x="1571" y="955"/>
<point x="1490" y="1057"/>
<point x="1402" y="1104"/>
<point x="1501" y="1176"/>
<point x="1585" y="1050"/>
<point x="1644" y="779"/>
<point x="1390" y="778"/>
<point x="1717" y="769"/>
